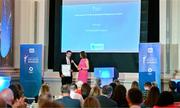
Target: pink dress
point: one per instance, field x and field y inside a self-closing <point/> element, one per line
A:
<point x="83" y="74"/>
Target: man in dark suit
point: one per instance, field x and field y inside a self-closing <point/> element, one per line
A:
<point x="105" y="100"/>
<point x="67" y="101"/>
<point x="66" y="60"/>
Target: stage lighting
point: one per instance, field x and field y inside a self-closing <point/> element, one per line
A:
<point x="4" y="82"/>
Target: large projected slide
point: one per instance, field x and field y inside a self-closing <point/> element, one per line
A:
<point x="101" y="26"/>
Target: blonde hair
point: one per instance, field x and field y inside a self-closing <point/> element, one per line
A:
<point x="95" y="91"/>
<point x="44" y="89"/>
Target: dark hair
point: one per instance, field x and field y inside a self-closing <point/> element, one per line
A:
<point x="178" y="87"/>
<point x="85" y="90"/>
<point x="107" y="90"/>
<point x="68" y="51"/>
<point x="73" y="86"/>
<point x="152" y="97"/>
<point x="17" y="90"/>
<point x="113" y="85"/>
<point x="172" y="85"/>
<point x="119" y="95"/>
<point x="135" y="96"/>
<point x="135" y="84"/>
<point x="165" y="98"/>
<point x="91" y="102"/>
<point x="147" y="84"/>
<point x="83" y="54"/>
<point x="65" y="88"/>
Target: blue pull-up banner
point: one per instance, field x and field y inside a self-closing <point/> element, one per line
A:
<point x="149" y="64"/>
<point x="31" y="68"/>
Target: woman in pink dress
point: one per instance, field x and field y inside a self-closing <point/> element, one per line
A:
<point x="83" y="67"/>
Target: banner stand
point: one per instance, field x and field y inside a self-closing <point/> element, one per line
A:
<point x="149" y="64"/>
<point x="31" y="68"/>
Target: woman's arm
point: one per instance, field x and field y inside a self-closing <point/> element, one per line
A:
<point x="72" y="61"/>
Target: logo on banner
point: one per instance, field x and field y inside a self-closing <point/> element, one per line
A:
<point x="31" y="70"/>
<point x="25" y="58"/>
<point x="31" y="50"/>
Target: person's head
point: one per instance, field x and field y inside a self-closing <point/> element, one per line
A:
<point x="91" y="102"/>
<point x="117" y="82"/>
<point x="45" y="92"/>
<point x="152" y="96"/>
<point x="49" y="104"/>
<point x="172" y="85"/>
<point x="165" y="98"/>
<point x="85" y="90"/>
<point x="8" y="96"/>
<point x="147" y="85"/>
<point x="113" y="85"/>
<point x="44" y="89"/>
<point x="65" y="90"/>
<point x="107" y="90"/>
<point x="95" y="91"/>
<point x="134" y="96"/>
<point x="17" y="90"/>
<point x="73" y="87"/>
<point x="135" y="84"/>
<point x="119" y="94"/>
<point x="68" y="53"/>
<point x="83" y="54"/>
<point x="79" y="84"/>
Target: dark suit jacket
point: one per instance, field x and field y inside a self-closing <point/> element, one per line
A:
<point x="66" y="80"/>
<point x="106" y="102"/>
<point x="69" y="102"/>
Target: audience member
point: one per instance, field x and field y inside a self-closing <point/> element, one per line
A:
<point x="119" y="95"/>
<point x="95" y="91"/>
<point x="104" y="99"/>
<point x="8" y="96"/>
<point x="17" y="90"/>
<point x="152" y="97"/>
<point x="85" y="90"/>
<point x="117" y="82"/>
<point x="67" y="101"/>
<point x="91" y="102"/>
<point x="79" y="85"/>
<point x="44" y="92"/>
<point x="135" y="84"/>
<point x="165" y="100"/>
<point x="13" y="96"/>
<point x="113" y="85"/>
<point x="172" y="87"/>
<point x="134" y="98"/>
<point x="147" y="87"/>
<point x="75" y="95"/>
